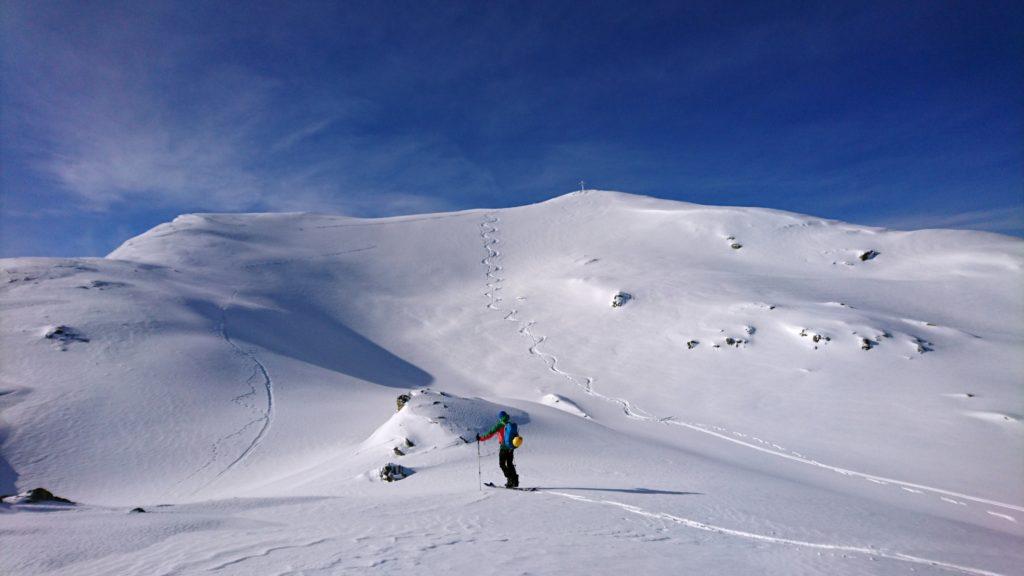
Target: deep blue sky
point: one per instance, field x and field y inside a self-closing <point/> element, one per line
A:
<point x="118" y="116"/>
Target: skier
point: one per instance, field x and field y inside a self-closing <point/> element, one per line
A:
<point x="508" y="441"/>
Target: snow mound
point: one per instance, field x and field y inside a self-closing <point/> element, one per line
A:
<point x="432" y="420"/>
<point x="564" y="404"/>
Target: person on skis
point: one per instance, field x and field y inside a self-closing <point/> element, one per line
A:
<point x="508" y="441"/>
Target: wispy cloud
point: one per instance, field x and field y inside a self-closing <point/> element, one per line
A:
<point x="1007" y="220"/>
<point x="173" y="123"/>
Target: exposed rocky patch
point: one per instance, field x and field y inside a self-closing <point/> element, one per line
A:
<point x="392" y="472"/>
<point x="64" y="335"/>
<point x="869" y="255"/>
<point x="621" y="299"/>
<point x="102" y="285"/>
<point x="402" y="400"/>
<point x="922" y="346"/>
<point x="816" y="338"/>
<point x="35" y="496"/>
<point x="735" y="342"/>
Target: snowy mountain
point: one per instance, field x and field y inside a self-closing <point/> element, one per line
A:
<point x="701" y="389"/>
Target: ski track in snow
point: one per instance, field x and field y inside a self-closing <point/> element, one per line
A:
<point x="869" y="551"/>
<point x="488" y="231"/>
<point x="263" y="420"/>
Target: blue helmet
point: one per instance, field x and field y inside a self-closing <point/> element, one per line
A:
<point x="503" y="416"/>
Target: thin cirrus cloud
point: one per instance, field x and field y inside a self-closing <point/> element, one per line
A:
<point x="130" y="121"/>
<point x="1009" y="219"/>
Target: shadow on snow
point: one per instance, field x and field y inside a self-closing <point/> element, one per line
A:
<point x="309" y="334"/>
<point x="623" y="490"/>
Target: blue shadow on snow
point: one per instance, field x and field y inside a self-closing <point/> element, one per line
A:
<point x="623" y="490"/>
<point x="309" y="334"/>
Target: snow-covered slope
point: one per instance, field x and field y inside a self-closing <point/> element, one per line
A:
<point x="777" y="393"/>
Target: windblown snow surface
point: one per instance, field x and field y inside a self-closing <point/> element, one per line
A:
<point x="780" y="394"/>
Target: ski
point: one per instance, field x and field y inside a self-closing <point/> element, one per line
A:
<point x="493" y="485"/>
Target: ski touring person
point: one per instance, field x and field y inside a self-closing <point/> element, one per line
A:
<point x="508" y="441"/>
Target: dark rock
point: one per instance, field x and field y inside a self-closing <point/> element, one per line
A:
<point x="137" y="511"/>
<point x="869" y="255"/>
<point x="393" y="472"/>
<point x="37" y="495"/>
<point x="866" y="344"/>
<point x="923" y="346"/>
<point x="736" y="245"/>
<point x="402" y="400"/>
<point x="620" y="299"/>
<point x="409" y="443"/>
<point x="102" y="285"/>
<point x="65" y="335"/>
<point x="692" y="344"/>
<point x="398" y="452"/>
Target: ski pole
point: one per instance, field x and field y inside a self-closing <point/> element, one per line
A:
<point x="479" y="470"/>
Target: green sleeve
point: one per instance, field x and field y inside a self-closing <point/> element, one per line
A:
<point x="492" y="431"/>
